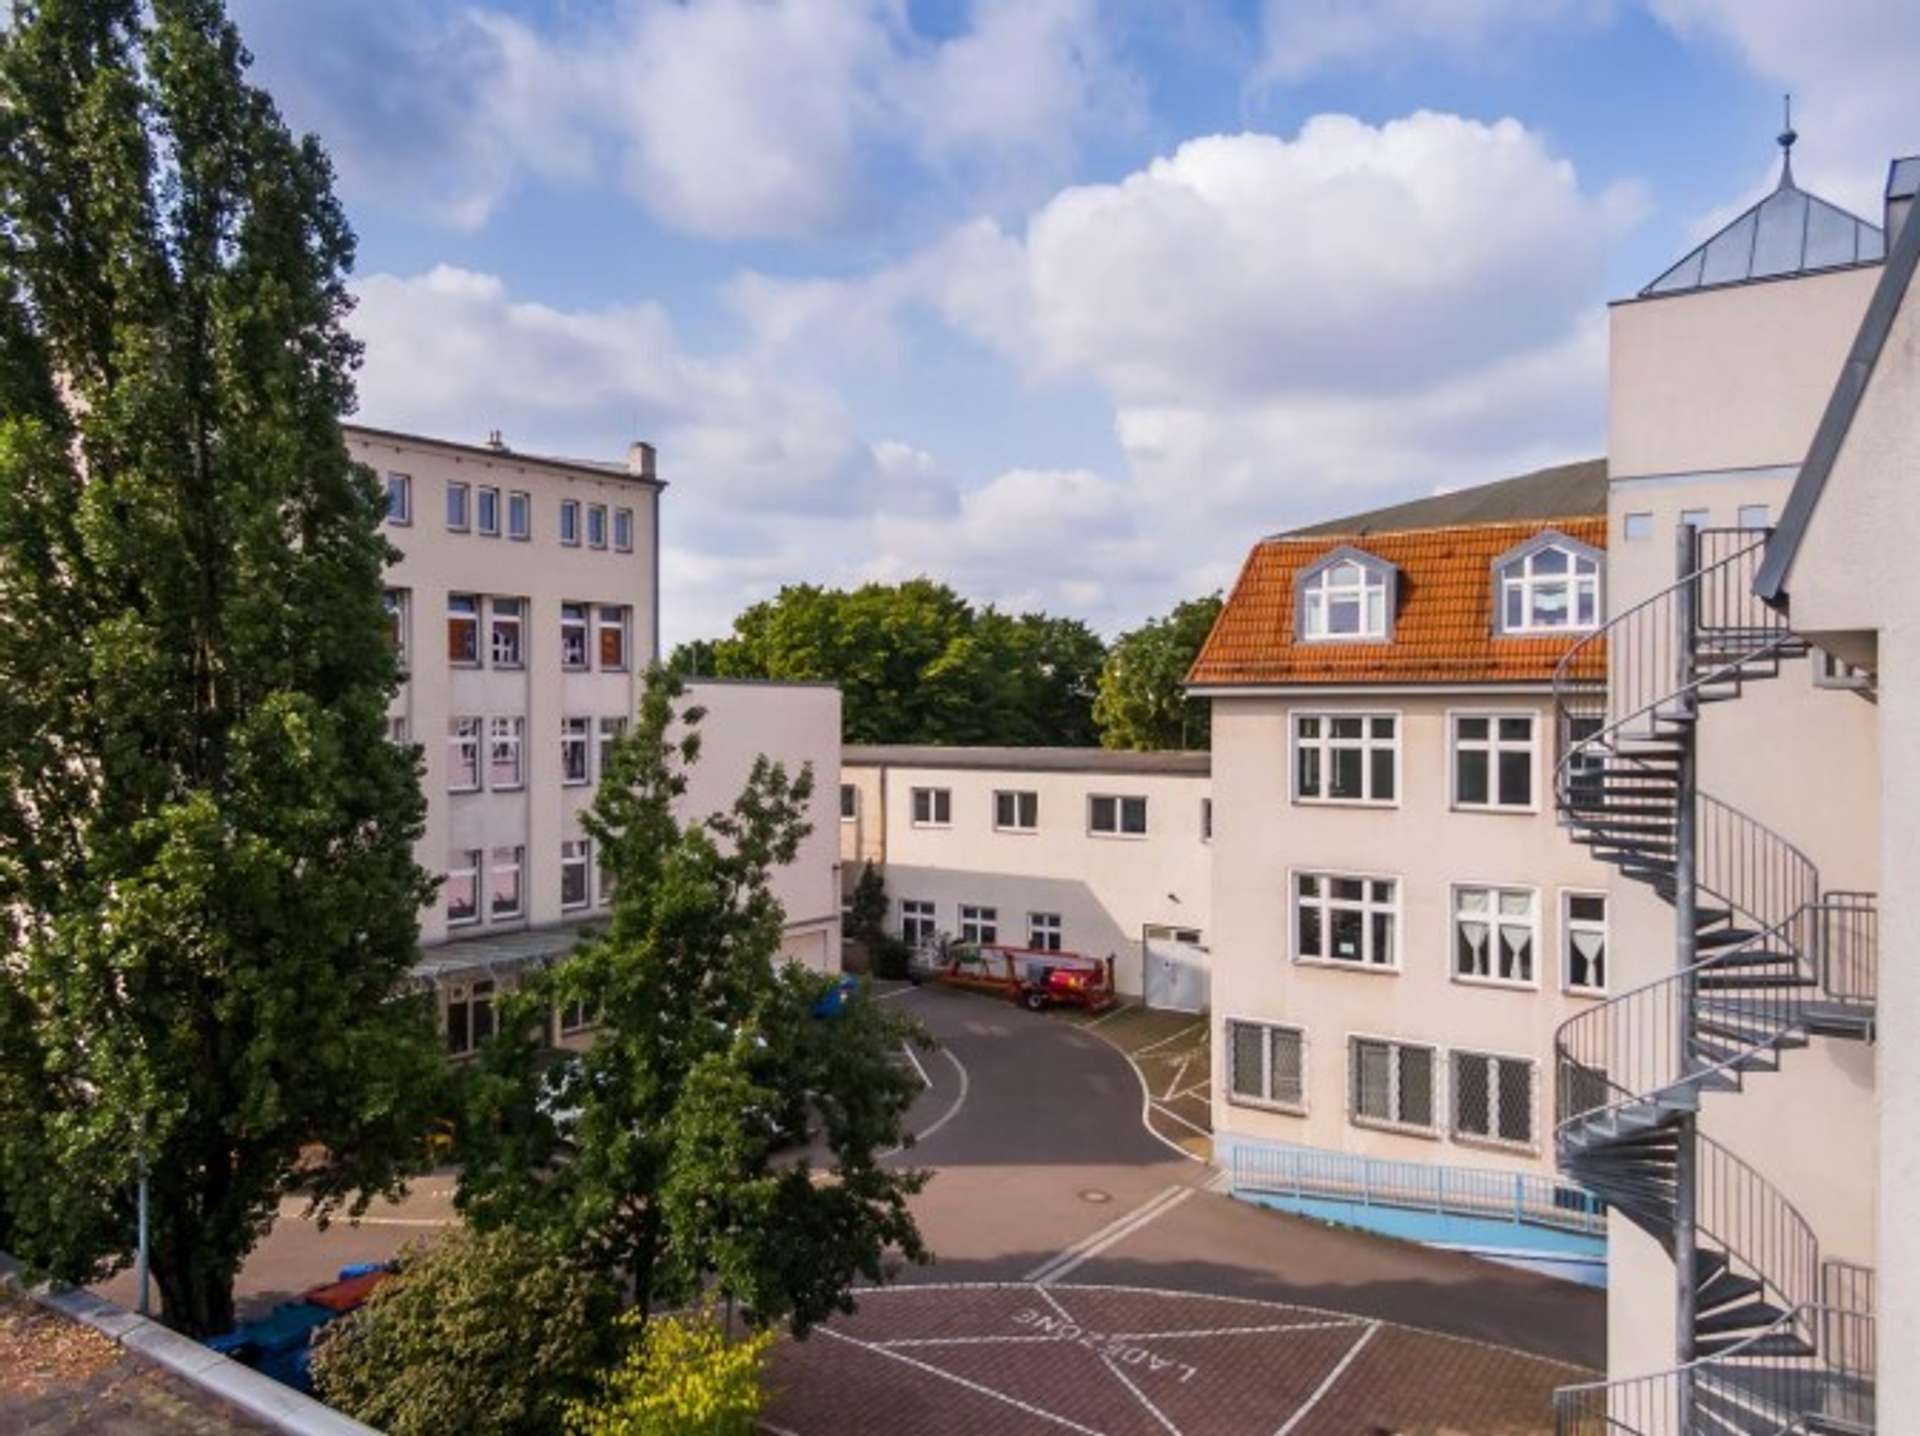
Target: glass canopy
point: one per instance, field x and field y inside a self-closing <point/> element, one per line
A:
<point x="1788" y="232"/>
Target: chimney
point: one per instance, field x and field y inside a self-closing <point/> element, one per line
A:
<point x="1903" y="178"/>
<point x="495" y="442"/>
<point x="640" y="459"/>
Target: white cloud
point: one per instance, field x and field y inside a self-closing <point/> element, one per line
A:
<point x="1303" y="37"/>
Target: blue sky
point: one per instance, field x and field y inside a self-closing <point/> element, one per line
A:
<point x="1063" y="301"/>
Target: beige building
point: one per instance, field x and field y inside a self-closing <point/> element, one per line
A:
<point x="1069" y="849"/>
<point x="526" y="607"/>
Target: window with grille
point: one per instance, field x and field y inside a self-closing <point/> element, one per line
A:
<point x="1493" y="1098"/>
<point x="1043" y="931"/>
<point x="504" y="639"/>
<point x="1583" y="923"/>
<point x="1495" y="934"/>
<point x="1347" y="920"/>
<point x="916" y="921"/>
<point x="1493" y="760"/>
<point x="932" y="807"/>
<point x="979" y="925"/>
<point x="1345" y="757"/>
<point x="1391" y="1084"/>
<point x="1117" y="816"/>
<point x="1016" y="812"/>
<point x="1266" y="1065"/>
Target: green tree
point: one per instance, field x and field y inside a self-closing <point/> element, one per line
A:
<point x="663" y="1153"/>
<point x="206" y="842"/>
<point x="681" y="1376"/>
<point x="867" y="905"/>
<point x="1143" y="702"/>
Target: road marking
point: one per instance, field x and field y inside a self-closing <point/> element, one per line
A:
<point x="1238" y="1330"/>
<point x="946" y="1116"/>
<point x="1118" y="1009"/>
<point x="966" y="1341"/>
<point x="1169" y="1112"/>
<point x="1125" y="1219"/>
<point x="1139" y="1395"/>
<point x="1183" y="1032"/>
<point x="892" y="993"/>
<point x="973" y="1386"/>
<point x="1078" y="1255"/>
<point x="925" y="1081"/>
<point x="1327" y="1385"/>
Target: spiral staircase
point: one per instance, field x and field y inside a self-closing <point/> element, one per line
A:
<point x="1766" y="961"/>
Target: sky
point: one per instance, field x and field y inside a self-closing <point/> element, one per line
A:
<point x="1064" y="302"/>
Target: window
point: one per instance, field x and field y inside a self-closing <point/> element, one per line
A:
<point x="613" y="637"/>
<point x="519" y="515"/>
<point x="575" y="735"/>
<point x="849" y="802"/>
<point x="457" y="518"/>
<point x="463" y="887"/>
<point x="1586" y="767"/>
<point x="463" y="755"/>
<point x="1831" y="672"/>
<point x="610" y="731"/>
<point x="574" y="1018"/>
<point x="1548" y="588"/>
<point x="1117" y="817"/>
<point x="463" y="629"/>
<point x="1493" y="760"/>
<point x="397" y="730"/>
<point x="503" y="752"/>
<point x="1391" y="1084"/>
<point x="1043" y="931"/>
<point x="1493" y="1099"/>
<point x="1016" y="812"/>
<point x="1266" y="1065"/>
<point x="394" y="600"/>
<point x="399" y="499"/>
<point x="573" y="635"/>
<point x="1495" y="934"/>
<point x="576" y="862"/>
<point x="487" y="512"/>
<point x="1348" y="920"/>
<point x="1753" y="516"/>
<point x="596" y="525"/>
<point x="1344" y="599"/>
<point x="606" y="880"/>
<point x="916" y="922"/>
<point x="932" y="807"/>
<point x="979" y="925"/>
<point x="506" y="898"/>
<point x="504" y="638"/>
<point x="1206" y="820"/>
<point x="570" y="522"/>
<point x="1345" y="757"/>
<point x="623" y="530"/>
<point x="469" y="1017"/>
<point x="1583" y="929"/>
<point x="1699" y="518"/>
<point x="1635" y="527"/>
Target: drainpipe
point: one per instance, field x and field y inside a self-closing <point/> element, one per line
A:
<point x="1686" y="936"/>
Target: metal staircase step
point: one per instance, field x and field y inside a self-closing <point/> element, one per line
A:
<point x="1741" y="1059"/>
<point x="1726" y="1286"/>
<point x="1781" y="1037"/>
<point x="1747" y="1316"/>
<point x="1780" y="1344"/>
<point x="1725" y="936"/>
<point x="1750" y="957"/>
<point x="1736" y="1410"/>
<point x="1734" y="981"/>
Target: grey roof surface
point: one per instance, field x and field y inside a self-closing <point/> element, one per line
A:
<point x="1032" y="760"/>
<point x="599" y="468"/>
<point x="501" y="952"/>
<point x="1562" y="491"/>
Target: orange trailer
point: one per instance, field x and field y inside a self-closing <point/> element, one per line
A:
<point x="1034" y="977"/>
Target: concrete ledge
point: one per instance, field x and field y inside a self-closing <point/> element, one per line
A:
<point x="241" y="1387"/>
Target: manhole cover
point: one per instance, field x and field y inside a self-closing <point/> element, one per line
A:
<point x="1094" y="1194"/>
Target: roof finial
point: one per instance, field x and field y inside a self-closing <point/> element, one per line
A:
<point x="1786" y="137"/>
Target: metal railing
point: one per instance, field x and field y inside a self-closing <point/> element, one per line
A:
<point x="1848" y="946"/>
<point x="1521" y="1197"/>
<point x="1746" y="1216"/>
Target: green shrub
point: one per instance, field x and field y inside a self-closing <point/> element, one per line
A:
<point x="889" y="957"/>
<point x="867" y="906"/>
<point x="486" y="1333"/>
<point x="681" y="1376"/>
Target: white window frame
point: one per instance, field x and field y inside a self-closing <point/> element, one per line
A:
<point x="510" y="622"/>
<point x="1493" y="745"/>
<point x="469" y="870"/>
<point x="464" y="608"/>
<point x="1636" y="527"/>
<point x="1518" y="575"/>
<point x="1436" y="1084"/>
<point x="611" y="618"/>
<point x="612" y="727"/>
<point x="1044" y="931"/>
<point x="465" y="734"/>
<point x="623" y="530"/>
<point x="398" y="728"/>
<point x="1492" y="1138"/>
<point x="398" y="603"/>
<point x="939" y="807"/>
<point x="570" y="522"/>
<point x="486" y="511"/>
<point x="1326" y="745"/>
<point x="1753" y="516"/>
<point x="1119" y="829"/>
<point x="470" y="998"/>
<point x="576" y="739"/>
<point x="516" y="864"/>
<point x="1266" y="1102"/>
<point x="1367" y="905"/>
<point x="399" y="495"/>
<point x="1495" y="919"/>
<point x="576" y="619"/>
<point x="1569" y="925"/>
<point x="506" y="735"/>
<point x="913" y="913"/>
<point x="980" y="924"/>
<point x="577" y="854"/>
<point x="1032" y="797"/>
<point x="1319" y="593"/>
<point x="459" y="506"/>
<point x="520" y="515"/>
<point x="596" y="526"/>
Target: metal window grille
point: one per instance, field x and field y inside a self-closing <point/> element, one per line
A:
<point x="1286" y="1066"/>
<point x="1493" y="1097"/>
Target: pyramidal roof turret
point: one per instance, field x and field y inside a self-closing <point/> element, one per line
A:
<point x="1788" y="232"/>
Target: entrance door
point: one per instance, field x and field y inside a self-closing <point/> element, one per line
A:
<point x="1175" y="970"/>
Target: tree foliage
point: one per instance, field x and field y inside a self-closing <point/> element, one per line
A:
<point x="916" y="663"/>
<point x="1142" y="702"/>
<point x="867" y="905"/>
<point x="681" y="1376"/>
<point x="206" y="842"/>
<point x="664" y="1152"/>
<point x="489" y="1333"/>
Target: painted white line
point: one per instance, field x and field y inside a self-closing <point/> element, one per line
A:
<point x="1237" y="1330"/>
<point x="966" y="1341"/>
<point x="1169" y="1112"/>
<point x="925" y="1081"/>
<point x="888" y="996"/>
<point x="1138" y="1395"/>
<point x="1119" y="1008"/>
<point x="1202" y="1088"/>
<point x="1086" y="1254"/>
<point x="1332" y="1376"/>
<point x="1119" y="1224"/>
<point x="973" y="1386"/>
<point x="1178" y="1073"/>
<point x="1053" y="1301"/>
<point x="946" y="1116"/>
<point x="1170" y="1037"/>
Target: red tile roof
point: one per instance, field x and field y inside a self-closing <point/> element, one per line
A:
<point x="1443" y="624"/>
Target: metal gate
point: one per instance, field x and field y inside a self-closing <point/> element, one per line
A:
<point x="1175" y="970"/>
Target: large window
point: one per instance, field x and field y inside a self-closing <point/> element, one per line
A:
<point x="623" y="530"/>
<point x="576" y="863"/>
<point x="463" y="755"/>
<point x="1583" y="935"/>
<point x="469" y="1017"/>
<point x="916" y="921"/>
<point x="463" y="629"/>
<point x="505" y="640"/>
<point x="487" y="512"/>
<point x="1494" y="758"/>
<point x="1550" y="589"/>
<point x="1016" y="811"/>
<point x="1117" y="817"/>
<point x="932" y="807"/>
<point x="612" y="625"/>
<point x="462" y="887"/>
<point x="979" y="924"/>
<point x="596" y="525"/>
<point x="575" y="736"/>
<point x="504" y="745"/>
<point x="573" y="635"/>
<point x="458" y="501"/>
<point x="1346" y="599"/>
<point x="506" y="887"/>
<point x="570" y="522"/>
<point x="519" y="515"/>
<point x="1348" y="920"/>
<point x="1496" y="932"/>
<point x="1391" y="1084"/>
<point x="399" y="499"/>
<point x="1493" y="1099"/>
<point x="1043" y="931"/>
<point x="1266" y="1065"/>
<point x="1346" y="757"/>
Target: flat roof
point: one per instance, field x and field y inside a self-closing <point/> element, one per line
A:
<point x="1029" y="760"/>
<point x="502" y="952"/>
<point x="592" y="468"/>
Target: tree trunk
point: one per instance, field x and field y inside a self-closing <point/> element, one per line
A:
<point x="193" y="1301"/>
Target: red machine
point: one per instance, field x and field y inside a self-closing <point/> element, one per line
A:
<point x="1033" y="977"/>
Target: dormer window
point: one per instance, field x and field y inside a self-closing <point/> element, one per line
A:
<point x="1550" y="584"/>
<point x="1348" y="596"/>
